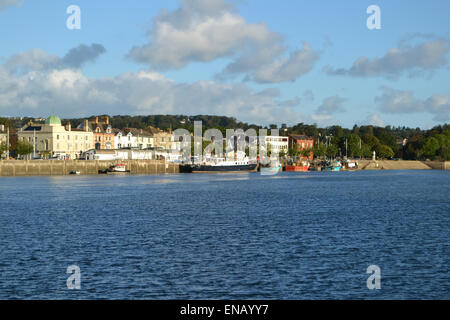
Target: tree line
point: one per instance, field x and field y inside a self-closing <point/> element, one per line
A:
<point x="358" y="142"/>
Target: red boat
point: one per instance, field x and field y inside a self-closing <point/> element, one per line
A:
<point x="303" y="166"/>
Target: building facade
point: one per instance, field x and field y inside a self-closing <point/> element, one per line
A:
<point x="102" y="131"/>
<point x="278" y="144"/>
<point x="52" y="139"/>
<point x="300" y="143"/>
<point x="133" y="138"/>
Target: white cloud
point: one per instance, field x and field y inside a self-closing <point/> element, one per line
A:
<point x="4" y="4"/>
<point x="374" y="120"/>
<point x="403" y="102"/>
<point x="411" y="58"/>
<point x="36" y="59"/>
<point x="331" y="105"/>
<point x="41" y="90"/>
<point x="206" y="30"/>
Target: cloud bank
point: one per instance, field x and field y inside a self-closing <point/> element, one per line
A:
<point x="38" y="60"/>
<point x="206" y="30"/>
<point x="403" y="102"/>
<point x="36" y="83"/>
<point x="407" y="58"/>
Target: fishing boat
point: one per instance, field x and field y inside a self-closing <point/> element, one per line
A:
<point x="350" y="165"/>
<point x="300" y="166"/>
<point x="271" y="168"/>
<point x="332" y="166"/>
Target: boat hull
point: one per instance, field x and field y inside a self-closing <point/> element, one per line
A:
<point x="331" y="169"/>
<point x="217" y="169"/>
<point x="297" y="168"/>
<point x="270" y="170"/>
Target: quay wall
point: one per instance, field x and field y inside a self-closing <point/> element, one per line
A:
<point x="12" y="168"/>
<point x="403" y="165"/>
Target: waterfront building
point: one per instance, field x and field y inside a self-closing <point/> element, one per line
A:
<point x="278" y="144"/>
<point x="123" y="139"/>
<point x="165" y="140"/>
<point x="102" y="131"/>
<point x="300" y="143"/>
<point x="133" y="138"/>
<point x="3" y="139"/>
<point x="52" y="139"/>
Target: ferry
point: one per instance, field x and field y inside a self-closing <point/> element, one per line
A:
<point x="216" y="165"/>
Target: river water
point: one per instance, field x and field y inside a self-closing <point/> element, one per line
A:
<point x="227" y="236"/>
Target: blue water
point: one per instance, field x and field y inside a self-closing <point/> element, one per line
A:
<point x="227" y="236"/>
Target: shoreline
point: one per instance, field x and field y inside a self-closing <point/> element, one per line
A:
<point x="30" y="168"/>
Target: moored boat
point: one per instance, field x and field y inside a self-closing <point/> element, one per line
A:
<point x="301" y="166"/>
<point x="273" y="167"/>
<point x="217" y="165"/>
<point x="332" y="166"/>
<point x="115" y="169"/>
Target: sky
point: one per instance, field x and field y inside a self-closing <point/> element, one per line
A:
<point x="260" y="61"/>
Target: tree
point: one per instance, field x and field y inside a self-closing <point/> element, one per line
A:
<point x="24" y="148"/>
<point x="293" y="151"/>
<point x="353" y="145"/>
<point x="366" y="151"/>
<point x="430" y="147"/>
<point x="332" y="150"/>
<point x="384" y="151"/>
<point x="306" y="152"/>
<point x="371" y="140"/>
<point x="319" y="150"/>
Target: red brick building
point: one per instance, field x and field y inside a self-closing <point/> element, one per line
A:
<point x="301" y="142"/>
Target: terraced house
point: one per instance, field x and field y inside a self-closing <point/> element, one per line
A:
<point x="102" y="131"/>
<point x="133" y="138"/>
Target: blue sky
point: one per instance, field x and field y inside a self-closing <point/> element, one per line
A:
<point x="286" y="61"/>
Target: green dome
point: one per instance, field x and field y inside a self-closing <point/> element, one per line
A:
<point x="53" y="120"/>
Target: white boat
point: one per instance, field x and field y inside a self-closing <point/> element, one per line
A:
<point x="118" y="168"/>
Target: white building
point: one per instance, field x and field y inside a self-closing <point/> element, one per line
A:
<point x="277" y="144"/>
<point x="133" y="138"/>
<point x="55" y="140"/>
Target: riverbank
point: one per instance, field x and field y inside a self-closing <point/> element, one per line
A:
<point x="12" y="168"/>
